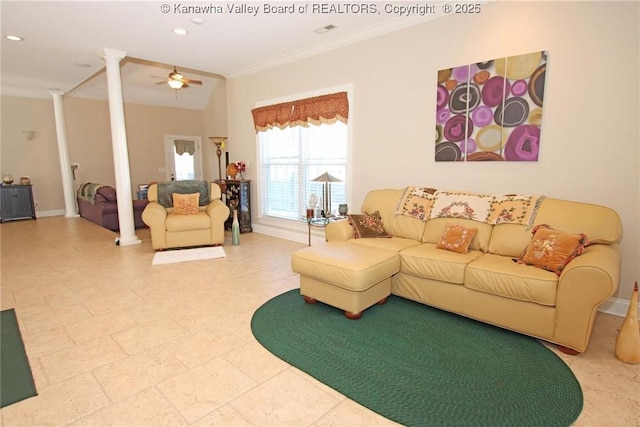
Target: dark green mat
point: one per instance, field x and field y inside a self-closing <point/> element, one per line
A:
<point x="418" y="365"/>
<point x="16" y="381"/>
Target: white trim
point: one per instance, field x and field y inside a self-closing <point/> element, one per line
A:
<point x="21" y="93"/>
<point x="616" y="306"/>
<point x="346" y="87"/>
<point x="54" y="212"/>
<point x="354" y="37"/>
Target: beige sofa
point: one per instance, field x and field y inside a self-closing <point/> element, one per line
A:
<point x="202" y="228"/>
<point x="486" y="284"/>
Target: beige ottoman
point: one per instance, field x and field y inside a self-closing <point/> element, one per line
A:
<point x="345" y="275"/>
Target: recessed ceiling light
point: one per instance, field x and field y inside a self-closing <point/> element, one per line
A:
<point x="82" y="65"/>
<point x="180" y="31"/>
<point x="13" y="38"/>
<point x="324" y="29"/>
<point x="198" y="21"/>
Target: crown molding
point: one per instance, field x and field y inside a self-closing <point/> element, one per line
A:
<point x="21" y="93"/>
<point x="351" y="38"/>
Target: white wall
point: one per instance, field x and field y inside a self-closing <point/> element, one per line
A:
<point x="590" y="135"/>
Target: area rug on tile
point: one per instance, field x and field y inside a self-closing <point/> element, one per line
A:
<point x="16" y="380"/>
<point x="182" y="255"/>
<point x="417" y="365"/>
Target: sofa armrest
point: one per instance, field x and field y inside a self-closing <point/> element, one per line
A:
<point x="155" y="215"/>
<point x="218" y="212"/>
<point x="586" y="282"/>
<point x="338" y="230"/>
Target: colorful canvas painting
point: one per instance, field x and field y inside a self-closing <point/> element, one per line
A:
<point x="492" y="110"/>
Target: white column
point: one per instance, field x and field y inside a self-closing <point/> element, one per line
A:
<point x="68" y="187"/>
<point x="120" y="151"/>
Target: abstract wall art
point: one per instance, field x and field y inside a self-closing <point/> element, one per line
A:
<point x="492" y="110"/>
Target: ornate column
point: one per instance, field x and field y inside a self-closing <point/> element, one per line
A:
<point x="112" y="60"/>
<point x="68" y="188"/>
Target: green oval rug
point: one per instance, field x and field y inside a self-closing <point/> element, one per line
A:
<point x="418" y="365"/>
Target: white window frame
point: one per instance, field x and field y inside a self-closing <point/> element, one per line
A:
<point x="301" y="225"/>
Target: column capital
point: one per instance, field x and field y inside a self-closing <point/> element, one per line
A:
<point x="56" y="92"/>
<point x="111" y="53"/>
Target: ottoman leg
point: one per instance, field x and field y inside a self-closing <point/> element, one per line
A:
<point x="309" y="300"/>
<point x="353" y="316"/>
<point x="382" y="301"/>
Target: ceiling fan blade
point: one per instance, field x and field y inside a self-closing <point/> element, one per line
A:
<point x="195" y="82"/>
<point x="164" y="82"/>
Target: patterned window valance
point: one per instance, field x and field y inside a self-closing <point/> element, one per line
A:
<point x="184" y="146"/>
<point x="325" y="109"/>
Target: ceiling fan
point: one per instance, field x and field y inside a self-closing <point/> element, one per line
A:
<point x="177" y="81"/>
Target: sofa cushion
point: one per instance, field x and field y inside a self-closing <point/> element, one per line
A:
<point x="551" y="249"/>
<point x="500" y="275"/>
<point x="367" y="225"/>
<point x="509" y="239"/>
<point x="109" y="193"/>
<point x="436" y="227"/>
<point x="198" y="221"/>
<point x="457" y="238"/>
<point x="408" y="227"/>
<point x="185" y="204"/>
<point x="427" y="261"/>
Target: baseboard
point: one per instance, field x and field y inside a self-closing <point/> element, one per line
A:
<point x="616" y="306"/>
<point x="54" y="212"/>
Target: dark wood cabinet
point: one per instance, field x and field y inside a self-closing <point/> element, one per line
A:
<point x="16" y="202"/>
<point x="237" y="195"/>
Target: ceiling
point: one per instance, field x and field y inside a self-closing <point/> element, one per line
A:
<point x="62" y="39"/>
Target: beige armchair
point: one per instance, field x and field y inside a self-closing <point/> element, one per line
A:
<point x="171" y="228"/>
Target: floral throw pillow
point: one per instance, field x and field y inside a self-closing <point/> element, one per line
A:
<point x="367" y="225"/>
<point x="457" y="238"/>
<point x="552" y="250"/>
<point x="185" y="204"/>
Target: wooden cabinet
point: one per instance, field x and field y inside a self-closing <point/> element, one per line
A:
<point x="237" y="195"/>
<point x="16" y="202"/>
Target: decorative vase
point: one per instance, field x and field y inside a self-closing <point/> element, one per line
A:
<point x="235" y="229"/>
<point x="628" y="342"/>
<point x="343" y="209"/>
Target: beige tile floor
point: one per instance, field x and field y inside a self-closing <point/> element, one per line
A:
<point x="113" y="340"/>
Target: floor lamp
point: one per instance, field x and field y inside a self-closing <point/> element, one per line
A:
<point x="219" y="143"/>
<point x="327" y="179"/>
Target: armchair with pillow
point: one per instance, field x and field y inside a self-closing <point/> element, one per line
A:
<point x="185" y="213"/>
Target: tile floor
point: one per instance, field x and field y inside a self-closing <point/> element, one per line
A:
<point x="115" y="341"/>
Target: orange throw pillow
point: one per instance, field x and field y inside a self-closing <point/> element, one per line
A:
<point x="457" y="238"/>
<point x="551" y="249"/>
<point x="185" y="204"/>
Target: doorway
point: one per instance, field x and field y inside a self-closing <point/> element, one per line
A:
<point x="183" y="157"/>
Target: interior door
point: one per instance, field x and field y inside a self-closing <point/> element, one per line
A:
<point x="183" y="157"/>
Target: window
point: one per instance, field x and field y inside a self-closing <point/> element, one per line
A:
<point x="297" y="142"/>
<point x="290" y="158"/>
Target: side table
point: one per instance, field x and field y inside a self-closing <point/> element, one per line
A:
<point x="320" y="223"/>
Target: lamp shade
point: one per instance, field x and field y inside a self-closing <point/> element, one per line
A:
<point x="326" y="177"/>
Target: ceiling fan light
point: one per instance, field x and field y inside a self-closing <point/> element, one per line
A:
<point x="175" y="84"/>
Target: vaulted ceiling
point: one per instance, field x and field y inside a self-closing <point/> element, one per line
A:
<point x="61" y="40"/>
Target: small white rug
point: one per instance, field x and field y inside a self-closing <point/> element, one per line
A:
<point x="182" y="255"/>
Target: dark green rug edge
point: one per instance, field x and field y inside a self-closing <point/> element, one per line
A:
<point x="572" y="417"/>
<point x="16" y="378"/>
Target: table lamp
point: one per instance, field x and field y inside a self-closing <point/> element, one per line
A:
<point x="327" y="179"/>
